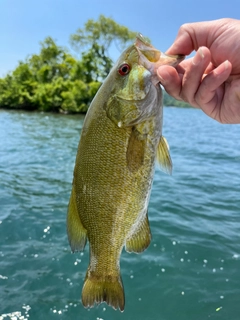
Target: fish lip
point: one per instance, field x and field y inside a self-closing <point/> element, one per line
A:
<point x="151" y="58"/>
<point x="164" y="59"/>
<point x="142" y="42"/>
<point x="178" y="58"/>
<point x="157" y="57"/>
<point x="145" y="48"/>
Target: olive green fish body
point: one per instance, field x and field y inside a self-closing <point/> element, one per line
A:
<point x="113" y="173"/>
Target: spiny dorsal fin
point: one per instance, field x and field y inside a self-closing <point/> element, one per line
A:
<point x="163" y="156"/>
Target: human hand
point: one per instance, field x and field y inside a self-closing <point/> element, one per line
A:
<point x="211" y="79"/>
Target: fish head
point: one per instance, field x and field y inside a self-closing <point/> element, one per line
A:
<point x="136" y="92"/>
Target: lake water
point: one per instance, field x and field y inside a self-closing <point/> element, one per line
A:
<point x="191" y="271"/>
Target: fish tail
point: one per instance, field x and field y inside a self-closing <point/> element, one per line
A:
<point x="98" y="290"/>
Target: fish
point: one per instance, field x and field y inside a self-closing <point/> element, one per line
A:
<point x="121" y="138"/>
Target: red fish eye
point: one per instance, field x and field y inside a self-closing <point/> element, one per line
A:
<point x="124" y="69"/>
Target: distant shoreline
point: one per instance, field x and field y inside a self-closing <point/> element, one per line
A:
<point x="168" y="101"/>
<point x="74" y="113"/>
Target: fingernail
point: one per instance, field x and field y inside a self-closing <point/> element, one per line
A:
<point x="222" y="67"/>
<point x="198" y="57"/>
<point x="226" y="64"/>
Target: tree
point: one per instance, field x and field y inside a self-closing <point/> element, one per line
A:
<point x="104" y="32"/>
<point x="54" y="80"/>
<point x="94" y="40"/>
<point x="169" y="101"/>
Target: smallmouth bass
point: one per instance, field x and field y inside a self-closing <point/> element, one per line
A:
<point x="120" y="139"/>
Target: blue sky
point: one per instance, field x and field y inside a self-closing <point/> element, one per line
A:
<point x="24" y="23"/>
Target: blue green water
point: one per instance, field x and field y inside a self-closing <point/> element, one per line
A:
<point x="191" y="269"/>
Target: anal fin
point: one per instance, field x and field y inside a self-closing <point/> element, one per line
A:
<point x="77" y="234"/>
<point x="141" y="238"/>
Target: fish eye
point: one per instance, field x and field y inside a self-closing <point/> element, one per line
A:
<point x="124" y="69"/>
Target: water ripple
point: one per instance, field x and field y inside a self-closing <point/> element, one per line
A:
<point x="192" y="265"/>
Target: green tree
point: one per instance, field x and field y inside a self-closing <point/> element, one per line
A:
<point x="54" y="80"/>
<point x="94" y="40"/>
<point x="169" y="101"/>
<point x="104" y="32"/>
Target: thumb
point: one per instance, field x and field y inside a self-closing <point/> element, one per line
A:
<point x="191" y="36"/>
<point x="165" y="74"/>
<point x="171" y="80"/>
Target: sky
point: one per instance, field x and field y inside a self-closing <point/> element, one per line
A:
<point x="24" y="23"/>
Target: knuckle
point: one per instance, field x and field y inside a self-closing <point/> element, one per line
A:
<point x="188" y="97"/>
<point x="184" y="27"/>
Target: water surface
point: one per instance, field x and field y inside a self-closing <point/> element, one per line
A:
<point x="191" y="269"/>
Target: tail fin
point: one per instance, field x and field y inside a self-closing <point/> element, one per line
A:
<point x="109" y="290"/>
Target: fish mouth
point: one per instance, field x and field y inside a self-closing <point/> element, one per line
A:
<point x="151" y="58"/>
<point x="144" y="47"/>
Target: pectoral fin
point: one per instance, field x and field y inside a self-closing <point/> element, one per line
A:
<point x="77" y="234"/>
<point x="141" y="238"/>
<point x="163" y="156"/>
<point x="135" y="151"/>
